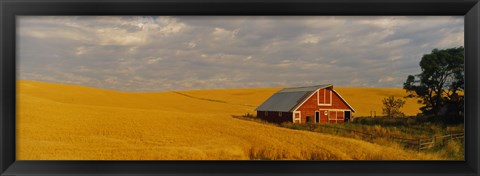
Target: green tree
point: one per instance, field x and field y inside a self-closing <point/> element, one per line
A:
<point x="441" y="81"/>
<point x="391" y="107"/>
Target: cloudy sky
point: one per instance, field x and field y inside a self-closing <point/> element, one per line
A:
<point x="193" y="52"/>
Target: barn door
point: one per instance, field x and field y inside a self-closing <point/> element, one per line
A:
<point x="296" y="117"/>
<point x="347" y="116"/>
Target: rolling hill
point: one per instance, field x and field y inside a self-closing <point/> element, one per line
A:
<point x="69" y="122"/>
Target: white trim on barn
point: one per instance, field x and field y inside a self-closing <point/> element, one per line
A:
<point x="316" y="92"/>
<point x="299" y="116"/>
<point x="353" y="110"/>
<point x="335" y="109"/>
<point x="330" y="113"/>
<point x="336" y="114"/>
<point x="299" y="105"/>
<point x="324" y="97"/>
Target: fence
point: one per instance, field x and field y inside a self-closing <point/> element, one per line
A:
<point x="419" y="143"/>
<point x="406" y="142"/>
<point x="427" y="143"/>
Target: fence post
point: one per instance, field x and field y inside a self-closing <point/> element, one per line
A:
<point x="419" y="144"/>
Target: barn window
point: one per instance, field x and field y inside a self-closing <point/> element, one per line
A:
<point x="279" y="114"/>
<point x="328" y="97"/>
<point x="324" y="97"/>
<point x="321" y="97"/>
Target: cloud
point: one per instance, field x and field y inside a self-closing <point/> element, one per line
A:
<point x="248" y="58"/>
<point x="172" y="28"/>
<point x="80" y="51"/>
<point x="310" y="39"/>
<point x="220" y="33"/>
<point x="154" y="60"/>
<point x="149" y="53"/>
<point x="386" y="79"/>
<point x="111" y="80"/>
<point x="191" y="45"/>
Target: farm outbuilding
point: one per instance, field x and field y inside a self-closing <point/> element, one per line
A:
<point x="314" y="104"/>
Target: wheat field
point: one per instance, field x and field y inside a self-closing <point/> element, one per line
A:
<point x="69" y="122"/>
<point x="365" y="100"/>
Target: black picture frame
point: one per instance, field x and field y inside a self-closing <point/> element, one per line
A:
<point x="9" y="9"/>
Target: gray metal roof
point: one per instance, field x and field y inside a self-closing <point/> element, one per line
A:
<point x="288" y="99"/>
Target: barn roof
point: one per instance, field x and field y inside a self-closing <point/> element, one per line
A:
<point x="288" y="99"/>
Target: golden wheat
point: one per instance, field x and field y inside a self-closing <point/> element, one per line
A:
<point x="365" y="100"/>
<point x="66" y="122"/>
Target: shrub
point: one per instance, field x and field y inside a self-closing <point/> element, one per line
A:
<point x="391" y="107"/>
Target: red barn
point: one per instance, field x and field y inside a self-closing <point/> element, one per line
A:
<point x="315" y="104"/>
